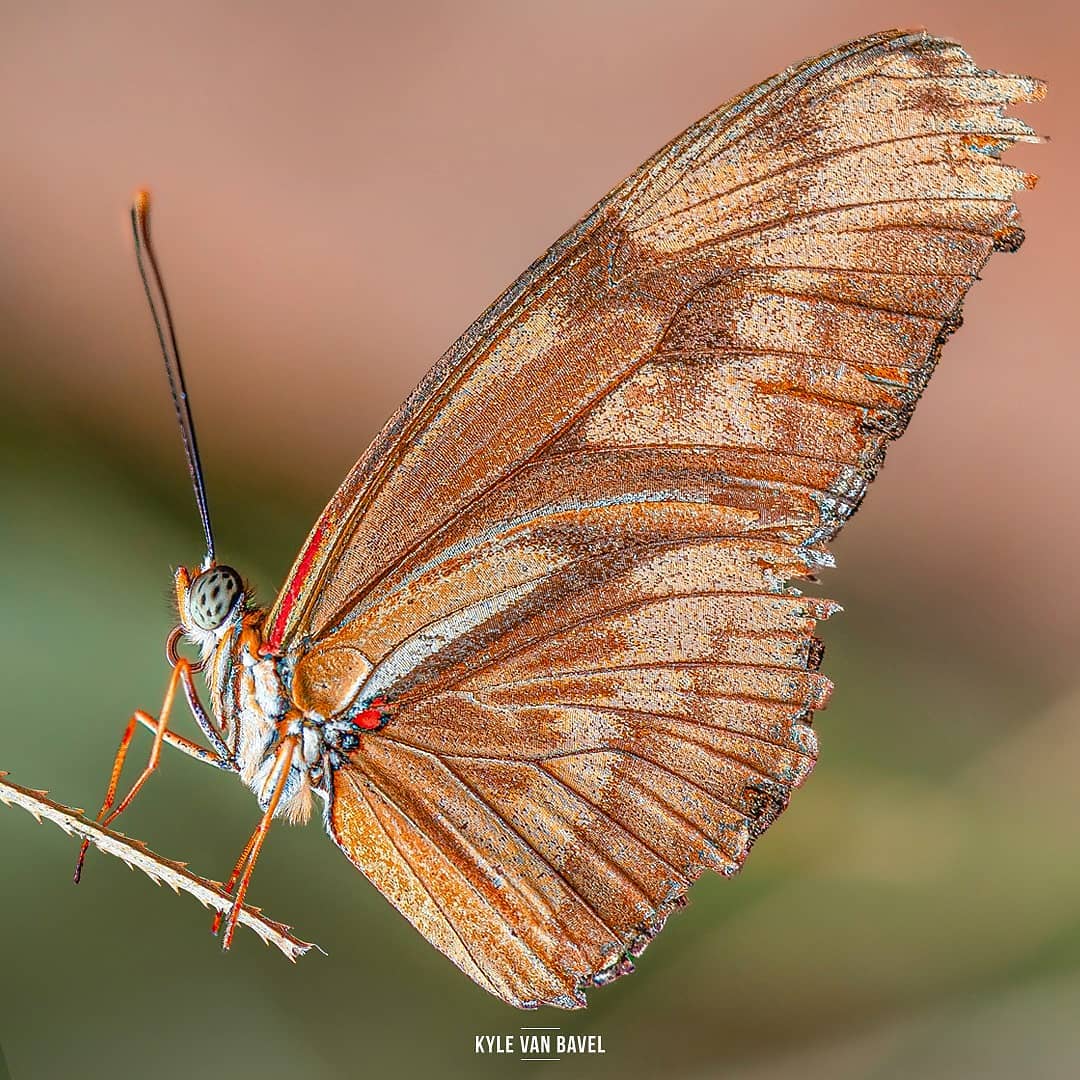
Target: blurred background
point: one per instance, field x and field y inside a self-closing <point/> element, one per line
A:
<point x="339" y="190"/>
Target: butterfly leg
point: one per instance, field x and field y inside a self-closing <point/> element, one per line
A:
<point x="242" y="878"/>
<point x="178" y="742"/>
<point x="181" y="673"/>
<point x="203" y="718"/>
<point x="233" y="877"/>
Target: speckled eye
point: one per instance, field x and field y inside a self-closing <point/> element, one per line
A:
<point x="212" y="595"/>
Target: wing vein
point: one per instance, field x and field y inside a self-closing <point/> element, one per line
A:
<point x="444" y="763"/>
<point x="416" y="873"/>
<point x="809" y="163"/>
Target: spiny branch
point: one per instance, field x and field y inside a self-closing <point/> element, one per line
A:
<point x="138" y="856"/>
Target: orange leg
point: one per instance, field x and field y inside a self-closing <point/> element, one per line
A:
<point x="239" y="866"/>
<point x="231" y="883"/>
<point x="178" y="742"/>
<point x="110" y="791"/>
<point x="182" y="671"/>
<point x="282" y="765"/>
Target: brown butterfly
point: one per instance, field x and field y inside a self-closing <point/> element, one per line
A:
<point x="539" y="657"/>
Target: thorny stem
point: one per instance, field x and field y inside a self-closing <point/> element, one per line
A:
<point x="137" y="855"/>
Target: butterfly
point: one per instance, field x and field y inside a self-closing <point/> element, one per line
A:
<point x="539" y="661"/>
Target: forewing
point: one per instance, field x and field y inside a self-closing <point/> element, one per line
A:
<point x="567" y="556"/>
<point x="781" y="272"/>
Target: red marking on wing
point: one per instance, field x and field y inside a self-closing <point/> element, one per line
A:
<point x="371" y="717"/>
<point x="277" y="631"/>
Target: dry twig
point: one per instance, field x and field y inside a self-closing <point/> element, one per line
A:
<point x="138" y="856"/>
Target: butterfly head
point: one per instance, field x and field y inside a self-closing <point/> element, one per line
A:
<point x="209" y="600"/>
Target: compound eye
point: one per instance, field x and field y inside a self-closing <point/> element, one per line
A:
<point x="212" y="595"/>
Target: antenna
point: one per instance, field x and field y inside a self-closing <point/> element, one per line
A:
<point x="170" y="351"/>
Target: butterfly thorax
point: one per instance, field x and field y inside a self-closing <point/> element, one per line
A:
<point x="259" y="698"/>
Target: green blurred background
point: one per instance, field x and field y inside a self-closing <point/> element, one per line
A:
<point x="340" y="190"/>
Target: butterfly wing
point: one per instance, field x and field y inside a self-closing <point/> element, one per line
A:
<point x="539" y="807"/>
<point x="863" y="183"/>
<point x="567" y="555"/>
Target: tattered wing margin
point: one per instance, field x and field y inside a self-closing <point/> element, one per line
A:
<point x="841" y="502"/>
<point x="765" y="802"/>
<point x="139" y="857"/>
